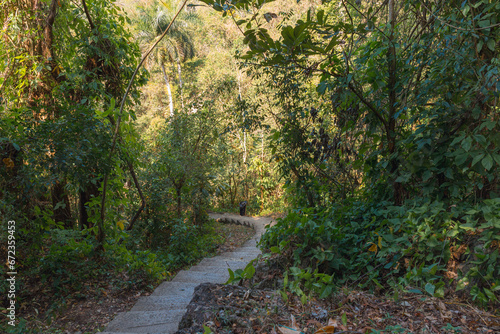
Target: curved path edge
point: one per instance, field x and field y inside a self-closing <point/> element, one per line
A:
<point x="162" y="311"/>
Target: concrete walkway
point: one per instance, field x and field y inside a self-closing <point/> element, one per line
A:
<point x="162" y="311"/>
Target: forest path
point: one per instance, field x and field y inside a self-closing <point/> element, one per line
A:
<point x="162" y="311"/>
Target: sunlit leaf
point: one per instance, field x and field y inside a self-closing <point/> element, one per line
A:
<point x="121" y="224"/>
<point x="8" y="162"/>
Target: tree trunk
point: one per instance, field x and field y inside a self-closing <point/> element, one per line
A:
<point x="169" y="91"/>
<point x="391" y="129"/>
<point x="179" y="201"/>
<point x="83" y="217"/>
<point x="85" y="196"/>
<point x="261" y="198"/>
<point x="244" y="146"/>
<point x="180" y="82"/>
<point x="63" y="212"/>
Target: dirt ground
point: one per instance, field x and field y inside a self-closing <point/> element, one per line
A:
<point x="256" y="308"/>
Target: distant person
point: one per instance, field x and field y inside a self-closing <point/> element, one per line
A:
<point x="243" y="206"/>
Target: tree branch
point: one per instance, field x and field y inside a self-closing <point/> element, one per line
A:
<point x="86" y="10"/>
<point x="117" y="127"/>
<point x="369" y="105"/>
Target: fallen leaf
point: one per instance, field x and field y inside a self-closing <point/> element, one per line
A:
<point x="287" y="330"/>
<point x="314" y="322"/>
<point x="441" y="306"/>
<point x="326" y="329"/>
<point x="294" y="323"/>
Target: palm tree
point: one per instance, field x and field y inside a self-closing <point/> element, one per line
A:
<point x="175" y="48"/>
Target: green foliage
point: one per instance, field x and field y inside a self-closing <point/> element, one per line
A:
<point x="189" y="243"/>
<point x="382" y="132"/>
<point x="373" y="243"/>
<point x="307" y="284"/>
<point x="241" y="274"/>
<point x="386" y="133"/>
<point x="20" y="327"/>
<point x="207" y="330"/>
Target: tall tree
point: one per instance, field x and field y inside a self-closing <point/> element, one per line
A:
<point x="63" y="80"/>
<point x="175" y="48"/>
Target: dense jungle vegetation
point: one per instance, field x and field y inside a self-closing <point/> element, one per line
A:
<point x="374" y="125"/>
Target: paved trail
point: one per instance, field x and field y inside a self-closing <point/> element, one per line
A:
<point x="162" y="311"/>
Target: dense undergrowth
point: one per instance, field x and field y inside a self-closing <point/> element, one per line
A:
<point x="67" y="268"/>
<point x="420" y="247"/>
<point x="386" y="133"/>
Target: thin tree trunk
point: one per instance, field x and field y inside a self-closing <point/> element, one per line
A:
<point x="179" y="203"/>
<point x="230" y="190"/>
<point x="262" y="172"/>
<point x="62" y="213"/>
<point x="239" y="83"/>
<point x="91" y="191"/>
<point x="244" y="146"/>
<point x="180" y="82"/>
<point x="262" y="147"/>
<point x="169" y="91"/>
<point x="261" y="198"/>
<point x="100" y="238"/>
<point x="391" y="135"/>
<point x="51" y="79"/>
<point x="136" y="182"/>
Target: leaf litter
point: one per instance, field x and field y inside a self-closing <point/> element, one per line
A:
<point x="259" y="308"/>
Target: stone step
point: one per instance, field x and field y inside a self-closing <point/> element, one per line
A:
<point x="245" y="260"/>
<point x="246" y="256"/>
<point x="250" y="243"/>
<point x="220" y="267"/>
<point x="250" y="249"/>
<point x="201" y="277"/>
<point x="147" y="321"/>
<point x="160" y="303"/>
<point x="175" y="289"/>
<point x="217" y="267"/>
<point x="225" y="262"/>
<point x="214" y="269"/>
<point x="253" y="253"/>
